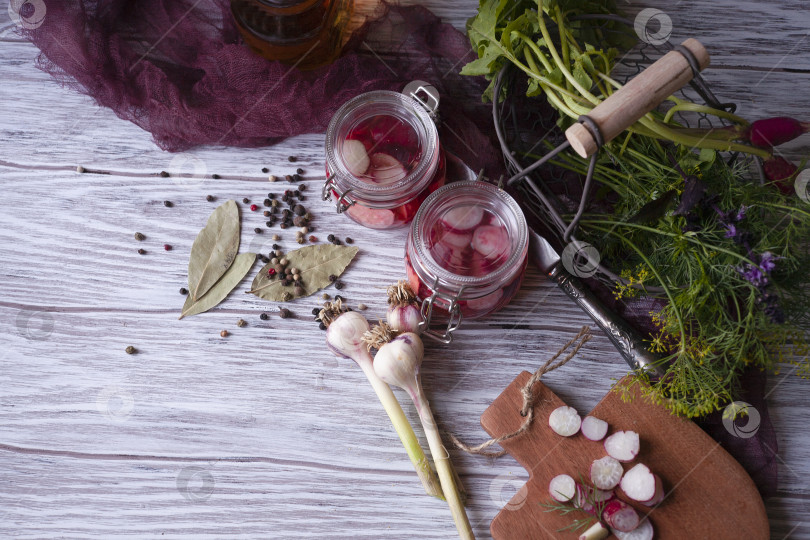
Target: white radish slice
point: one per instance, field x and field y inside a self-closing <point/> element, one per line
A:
<point x="644" y="531"/>
<point x="564" y="421"/>
<point x="485" y="303"/>
<point x="659" y="493"/>
<point x="606" y="473"/>
<point x="491" y="241"/>
<point x="385" y="169"/>
<point x="458" y="240"/>
<point x="355" y="157"/>
<point x="622" y="445"/>
<point x="597" y="531"/>
<point x="593" y="428"/>
<point x="373" y="218"/>
<point x="562" y="488"/>
<point x="620" y="516"/>
<point x="463" y="218"/>
<point x="639" y="483"/>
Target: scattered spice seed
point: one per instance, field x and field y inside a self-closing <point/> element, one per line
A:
<point x="304" y="230"/>
<point x="301" y="240"/>
<point x="338" y="297"/>
<point x="284" y="312"/>
<point x="254" y="207"/>
<point x="224" y="333"/>
<point x="263" y="258"/>
<point x="331" y="238"/>
<point x="269" y="223"/>
<point x="168" y="204"/>
<point x="308" y="216"/>
<point x="337" y="242"/>
<point x="265" y="170"/>
<point x="272" y="178"/>
<point x="140" y="237"/>
<point x="362" y="307"/>
<point x="130" y="350"/>
<point x="338" y="285"/>
<point x="167" y="247"/>
<point x="302" y="187"/>
<point x="288" y="178"/>
<point x="274" y="203"/>
<point x="245" y="200"/>
<point x="322" y="326"/>
<point x="299" y="170"/>
<point x="257" y="230"/>
<point x="286" y="298"/>
<point x="215" y="176"/>
<point x="264" y="316"/>
<point x="299" y="290"/>
<point x="183" y="291"/>
<point x="325" y="296"/>
<point x="299" y="210"/>
<point x="297" y="193"/>
<point x="313" y="238"/>
<point x="332" y="278"/>
<point x="164" y="174"/>
<point x="267" y="202"/>
<point x="302" y="198"/>
<point x="297" y="177"/>
<point x="210" y="198"/>
<point x="349" y="240"/>
<point x="80" y="169"/>
<point x="274" y="260"/>
<point x="316" y="311"/>
<point x="271" y="272"/>
<point x="292" y="159"/>
<point x="241" y="323"/>
<point x="266" y="213"/>
<point x="283" y="262"/>
<point x="141" y="251"/>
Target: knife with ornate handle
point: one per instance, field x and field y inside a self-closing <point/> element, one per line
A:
<point x="619" y="332"/>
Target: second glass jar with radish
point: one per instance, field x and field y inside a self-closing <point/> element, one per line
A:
<point x="466" y="253"/>
<point x="383" y="158"/>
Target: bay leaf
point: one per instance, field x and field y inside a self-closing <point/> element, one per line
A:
<point x="216" y="294"/>
<point x="214" y="249"/>
<point x="315" y="263"/>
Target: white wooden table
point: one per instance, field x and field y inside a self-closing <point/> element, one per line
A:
<point x="265" y="434"/>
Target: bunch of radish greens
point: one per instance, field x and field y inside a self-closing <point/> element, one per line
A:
<point x="669" y="211"/>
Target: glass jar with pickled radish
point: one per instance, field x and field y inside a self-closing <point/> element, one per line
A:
<point x="466" y="251"/>
<point x="383" y="159"/>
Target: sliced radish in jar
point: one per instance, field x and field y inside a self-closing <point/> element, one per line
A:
<point x="564" y="421"/>
<point x="562" y="488"/>
<point x="641" y="485"/>
<point x="593" y="428"/>
<point x="355" y="157"/>
<point x="485" y="303"/>
<point x="644" y="531"/>
<point x="373" y="218"/>
<point x="458" y="240"/>
<point x="622" y="445"/>
<point x="620" y="516"/>
<point x="385" y="169"/>
<point x="606" y="473"/>
<point x="491" y="241"/>
<point x="413" y="279"/>
<point x="463" y="218"/>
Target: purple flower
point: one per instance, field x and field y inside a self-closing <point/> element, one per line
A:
<point x="741" y="213"/>
<point x="767" y="261"/>
<point x="754" y="275"/>
<point x="731" y="230"/>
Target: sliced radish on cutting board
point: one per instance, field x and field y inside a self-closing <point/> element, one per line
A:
<point x="587" y="495"/>
<point x="593" y="428"/>
<point x="622" y="445"/>
<point x="620" y="516"/>
<point x="491" y="241"/>
<point x="562" y="488"/>
<point x="463" y="218"/>
<point x="385" y="169"/>
<point x="606" y="473"/>
<point x="641" y="485"/>
<point x="564" y="421"/>
<point x="644" y="531"/>
<point x="355" y="157"/>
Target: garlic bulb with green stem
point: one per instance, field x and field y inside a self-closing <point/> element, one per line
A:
<point x="343" y="337"/>
<point x="398" y="363"/>
<point x="404" y="314"/>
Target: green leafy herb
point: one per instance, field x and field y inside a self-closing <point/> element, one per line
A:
<point x="216" y="294"/>
<point x="315" y="264"/>
<point x="213" y="250"/>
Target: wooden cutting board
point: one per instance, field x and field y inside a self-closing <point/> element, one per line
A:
<point x="709" y="495"/>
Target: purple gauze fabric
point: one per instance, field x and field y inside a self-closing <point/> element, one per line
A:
<point x="177" y="69"/>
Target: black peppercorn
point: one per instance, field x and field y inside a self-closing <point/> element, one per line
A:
<point x="338" y="285"/>
<point x="257" y="230"/>
<point x="168" y="204"/>
<point x="292" y="159"/>
<point x="299" y="170"/>
<point x="332" y="278"/>
<point x="297" y="193"/>
<point x="183" y="290"/>
<point x="337" y="242"/>
<point x="338" y="297"/>
<point x="141" y="251"/>
<point x="297" y="177"/>
<point x="284" y="312"/>
<point x="302" y="187"/>
<point x="164" y="174"/>
<point x="245" y="200"/>
<point x="349" y="240"/>
<point x="288" y="178"/>
<point x="266" y="213"/>
<point x="210" y="198"/>
<point x="265" y="170"/>
<point x="299" y="290"/>
<point x="267" y="202"/>
<point x="276" y="246"/>
<point x="299" y="209"/>
<point x="264" y="316"/>
<point x="283" y="225"/>
<point x="316" y="311"/>
<point x="215" y="176"/>
<point x="322" y="326"/>
<point x="140" y="237"/>
<point x="331" y="237"/>
<point x="271" y="195"/>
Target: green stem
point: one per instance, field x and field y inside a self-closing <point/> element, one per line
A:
<point x="682" y="105"/>
<point x="404" y="429"/>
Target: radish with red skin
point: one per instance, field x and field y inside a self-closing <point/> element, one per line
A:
<point x="641" y="485"/>
<point x="491" y="241"/>
<point x="781" y="172"/>
<point x="593" y="428"/>
<point x="457" y="240"/>
<point x="562" y="488"/>
<point x="620" y="516"/>
<point x="770" y="132"/>
<point x="385" y="169"/>
<point x="564" y="421"/>
<point x="463" y="219"/>
<point x="644" y="531"/>
<point x="622" y="445"/>
<point x="373" y="218"/>
<point x="606" y="473"/>
<point x="587" y="495"/>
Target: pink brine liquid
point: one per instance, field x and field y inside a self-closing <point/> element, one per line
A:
<point x="469" y="240"/>
<point x="383" y="150"/>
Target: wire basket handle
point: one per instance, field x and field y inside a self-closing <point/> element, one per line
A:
<point x="638" y="97"/>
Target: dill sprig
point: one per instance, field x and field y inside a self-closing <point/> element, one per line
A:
<point x="585" y="498"/>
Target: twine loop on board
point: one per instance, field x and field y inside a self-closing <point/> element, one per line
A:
<point x="529" y="400"/>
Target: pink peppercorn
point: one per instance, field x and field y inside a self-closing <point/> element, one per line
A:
<point x="254" y="207"/>
<point x="271" y="272"/>
<point x="167" y="247"/>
